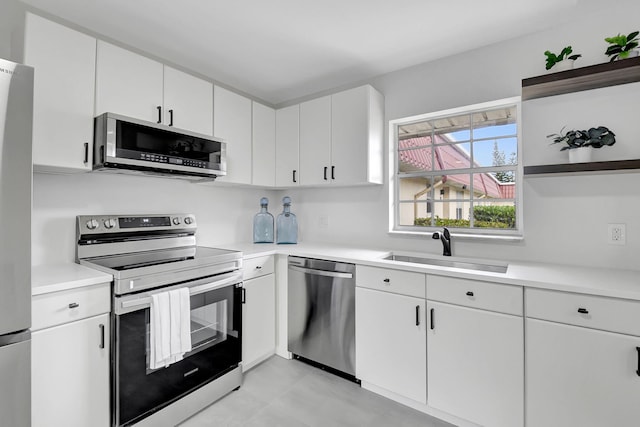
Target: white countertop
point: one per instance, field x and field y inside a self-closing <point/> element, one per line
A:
<point x="61" y="277"/>
<point x="595" y="281"/>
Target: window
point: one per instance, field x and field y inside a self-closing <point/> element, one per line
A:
<point x="458" y="169"/>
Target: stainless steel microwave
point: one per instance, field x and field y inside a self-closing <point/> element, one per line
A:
<point x="127" y="145"/>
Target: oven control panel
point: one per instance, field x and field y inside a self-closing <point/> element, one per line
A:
<point x="100" y="224"/>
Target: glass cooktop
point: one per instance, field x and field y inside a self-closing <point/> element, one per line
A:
<point x="152" y="258"/>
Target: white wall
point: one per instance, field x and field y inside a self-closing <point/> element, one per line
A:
<point x="565" y="216"/>
<point x="223" y="214"/>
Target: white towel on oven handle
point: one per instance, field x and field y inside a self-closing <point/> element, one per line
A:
<point x="170" y="327"/>
<point x="180" y="322"/>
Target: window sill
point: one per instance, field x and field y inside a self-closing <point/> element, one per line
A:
<point x="460" y="236"/>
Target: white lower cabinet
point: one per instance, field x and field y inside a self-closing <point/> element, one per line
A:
<point x="70" y="374"/>
<point x="391" y="342"/>
<point x="475" y="352"/>
<point x="582" y="376"/>
<point x="258" y="311"/>
<point x="70" y="357"/>
<point x="475" y="364"/>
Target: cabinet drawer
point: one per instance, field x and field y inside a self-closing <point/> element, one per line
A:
<point x="396" y="281"/>
<point x="61" y="307"/>
<point x="256" y="267"/>
<point x="471" y="293"/>
<point x="608" y="314"/>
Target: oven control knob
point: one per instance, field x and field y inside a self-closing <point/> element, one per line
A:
<point x="188" y="220"/>
<point x="92" y="224"/>
<point x="176" y="221"/>
<point x="109" y="223"/>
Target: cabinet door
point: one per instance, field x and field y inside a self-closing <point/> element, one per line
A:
<point x="264" y="145"/>
<point x="232" y="122"/>
<point x="581" y="377"/>
<point x="188" y="102"/>
<point x="63" y="99"/>
<point x="356" y="136"/>
<point x="287" y="146"/>
<point x="258" y="320"/>
<point x="475" y="360"/>
<point x="315" y="141"/>
<point x="127" y="83"/>
<point x="70" y="374"/>
<point x="391" y="342"/>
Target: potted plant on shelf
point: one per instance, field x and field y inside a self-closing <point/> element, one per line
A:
<point x="622" y="46"/>
<point x="580" y="143"/>
<point x="563" y="61"/>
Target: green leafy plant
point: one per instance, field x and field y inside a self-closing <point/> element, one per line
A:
<point x="553" y="59"/>
<point x="621" y="45"/>
<point x="594" y="137"/>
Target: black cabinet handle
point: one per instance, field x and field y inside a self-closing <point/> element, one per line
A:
<point x="86" y="152"/>
<point x="101" y="326"/>
<point x="638" y="371"/>
<point x="386" y="280"/>
<point x="583" y="311"/>
<point x="170" y="117"/>
<point x="333" y="172"/>
<point x="417" y="315"/>
<point x="74" y="305"/>
<point x="469" y="294"/>
<point x="431" y="318"/>
<point x="159" y="113"/>
<point x="325" y="173"/>
<point x="258" y="267"/>
<point x="294" y="176"/>
<point x="244" y="296"/>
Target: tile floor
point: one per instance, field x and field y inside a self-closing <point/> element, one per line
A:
<point x="289" y="393"/>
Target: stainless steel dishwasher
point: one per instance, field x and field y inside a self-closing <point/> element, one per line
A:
<point x="321" y="312"/>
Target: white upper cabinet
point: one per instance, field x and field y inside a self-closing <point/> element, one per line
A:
<point x="315" y="141"/>
<point x="340" y="139"/>
<point x="128" y="84"/>
<point x="232" y="122"/>
<point x="357" y="126"/>
<point x="264" y="145"/>
<point x="188" y="102"/>
<point x="63" y="95"/>
<point x="135" y="86"/>
<point x="287" y="146"/>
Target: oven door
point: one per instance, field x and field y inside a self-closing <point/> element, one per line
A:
<point x="216" y="335"/>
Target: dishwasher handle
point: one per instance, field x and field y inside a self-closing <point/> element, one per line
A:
<point x="321" y="272"/>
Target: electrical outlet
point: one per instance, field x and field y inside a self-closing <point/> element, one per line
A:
<point x="323" y="221"/>
<point x="616" y="234"/>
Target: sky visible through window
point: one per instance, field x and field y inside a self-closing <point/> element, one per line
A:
<point x="483" y="153"/>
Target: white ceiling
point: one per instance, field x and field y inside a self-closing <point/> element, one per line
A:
<point x="280" y="50"/>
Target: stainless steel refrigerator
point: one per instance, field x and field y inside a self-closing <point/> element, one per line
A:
<point x="16" y="115"/>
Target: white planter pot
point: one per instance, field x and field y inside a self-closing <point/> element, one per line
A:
<point x="580" y="155"/>
<point x="564" y="65"/>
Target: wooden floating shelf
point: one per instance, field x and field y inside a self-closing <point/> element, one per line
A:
<point x="584" y="78"/>
<point x="566" y="168"/>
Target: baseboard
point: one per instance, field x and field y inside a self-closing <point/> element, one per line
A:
<point x="444" y="416"/>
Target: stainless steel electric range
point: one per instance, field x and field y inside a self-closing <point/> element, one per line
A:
<point x="147" y="254"/>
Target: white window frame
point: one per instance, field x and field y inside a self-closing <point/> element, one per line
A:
<point x="472" y="233"/>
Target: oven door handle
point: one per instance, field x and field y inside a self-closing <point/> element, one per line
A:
<point x="143" y="300"/>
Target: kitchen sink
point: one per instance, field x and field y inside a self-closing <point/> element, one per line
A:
<point x="493" y="268"/>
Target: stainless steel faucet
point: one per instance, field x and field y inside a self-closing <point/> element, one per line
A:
<point x="445" y="237"/>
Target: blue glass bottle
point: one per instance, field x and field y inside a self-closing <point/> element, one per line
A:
<point x="287" y="224"/>
<point x="263" y="224"/>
